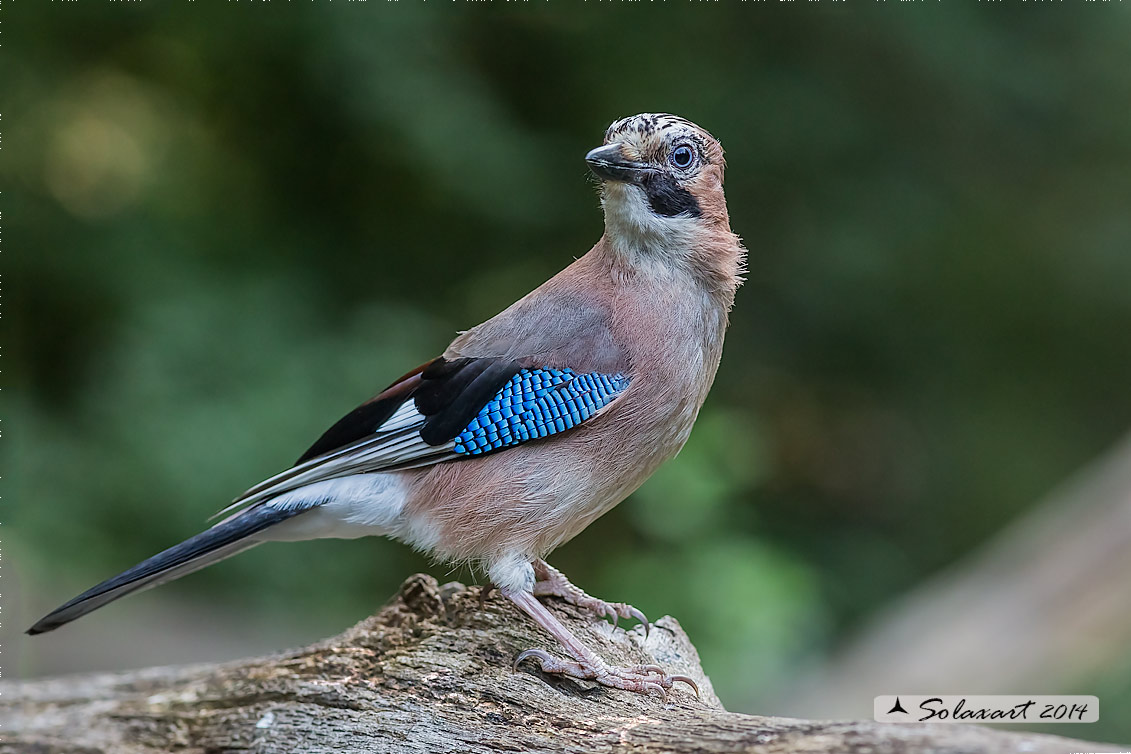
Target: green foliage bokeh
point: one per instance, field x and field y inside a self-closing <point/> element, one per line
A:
<point x="227" y="226"/>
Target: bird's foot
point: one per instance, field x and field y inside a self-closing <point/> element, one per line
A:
<point x="614" y="611"/>
<point x="642" y="679"/>
<point x="553" y="583"/>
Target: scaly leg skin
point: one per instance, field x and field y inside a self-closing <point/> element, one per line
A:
<point x="643" y="679"/>
<point x="553" y="583"/>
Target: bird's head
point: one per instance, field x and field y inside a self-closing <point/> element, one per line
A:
<point x="662" y="189"/>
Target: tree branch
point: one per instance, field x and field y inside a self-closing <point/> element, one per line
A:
<point x="431" y="672"/>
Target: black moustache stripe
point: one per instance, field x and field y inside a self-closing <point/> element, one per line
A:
<point x="667" y="198"/>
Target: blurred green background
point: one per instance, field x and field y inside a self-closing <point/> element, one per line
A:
<point x="225" y="226"/>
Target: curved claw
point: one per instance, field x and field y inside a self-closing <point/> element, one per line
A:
<point x="689" y="682"/>
<point x="642" y="618"/>
<point x="617" y="610"/>
<point x="539" y="654"/>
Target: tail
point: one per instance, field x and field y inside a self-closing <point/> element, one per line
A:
<point x="231" y="536"/>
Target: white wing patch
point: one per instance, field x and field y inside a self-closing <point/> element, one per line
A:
<point x="395" y="445"/>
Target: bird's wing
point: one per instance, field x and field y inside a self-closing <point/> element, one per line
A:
<point x="446" y="410"/>
<point x="560" y="325"/>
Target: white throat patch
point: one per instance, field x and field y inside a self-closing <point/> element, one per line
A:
<point x="635" y="231"/>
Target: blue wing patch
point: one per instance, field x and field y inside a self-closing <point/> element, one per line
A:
<point x="537" y="403"/>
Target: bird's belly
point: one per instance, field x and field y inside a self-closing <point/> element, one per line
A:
<point x="537" y="496"/>
<point x="609" y="486"/>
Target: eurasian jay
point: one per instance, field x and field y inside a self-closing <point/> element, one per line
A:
<point x="534" y="423"/>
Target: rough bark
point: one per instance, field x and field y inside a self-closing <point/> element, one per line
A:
<point x="432" y="673"/>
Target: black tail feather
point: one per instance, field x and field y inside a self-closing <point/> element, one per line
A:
<point x="221" y="541"/>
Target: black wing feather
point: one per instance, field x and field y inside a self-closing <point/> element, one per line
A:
<point x="443" y="381"/>
<point x="447" y="392"/>
<point x="451" y="403"/>
<point x="368" y="417"/>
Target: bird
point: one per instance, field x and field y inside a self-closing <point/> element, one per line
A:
<point x="533" y="424"/>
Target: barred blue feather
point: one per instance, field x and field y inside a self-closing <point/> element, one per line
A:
<point x="538" y="403"/>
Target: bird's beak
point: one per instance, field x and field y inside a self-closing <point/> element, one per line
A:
<point x="609" y="164"/>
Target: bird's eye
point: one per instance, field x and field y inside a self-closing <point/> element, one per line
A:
<point x="682" y="156"/>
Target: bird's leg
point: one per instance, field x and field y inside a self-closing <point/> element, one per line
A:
<point x="552" y="583"/>
<point x="587" y="665"/>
